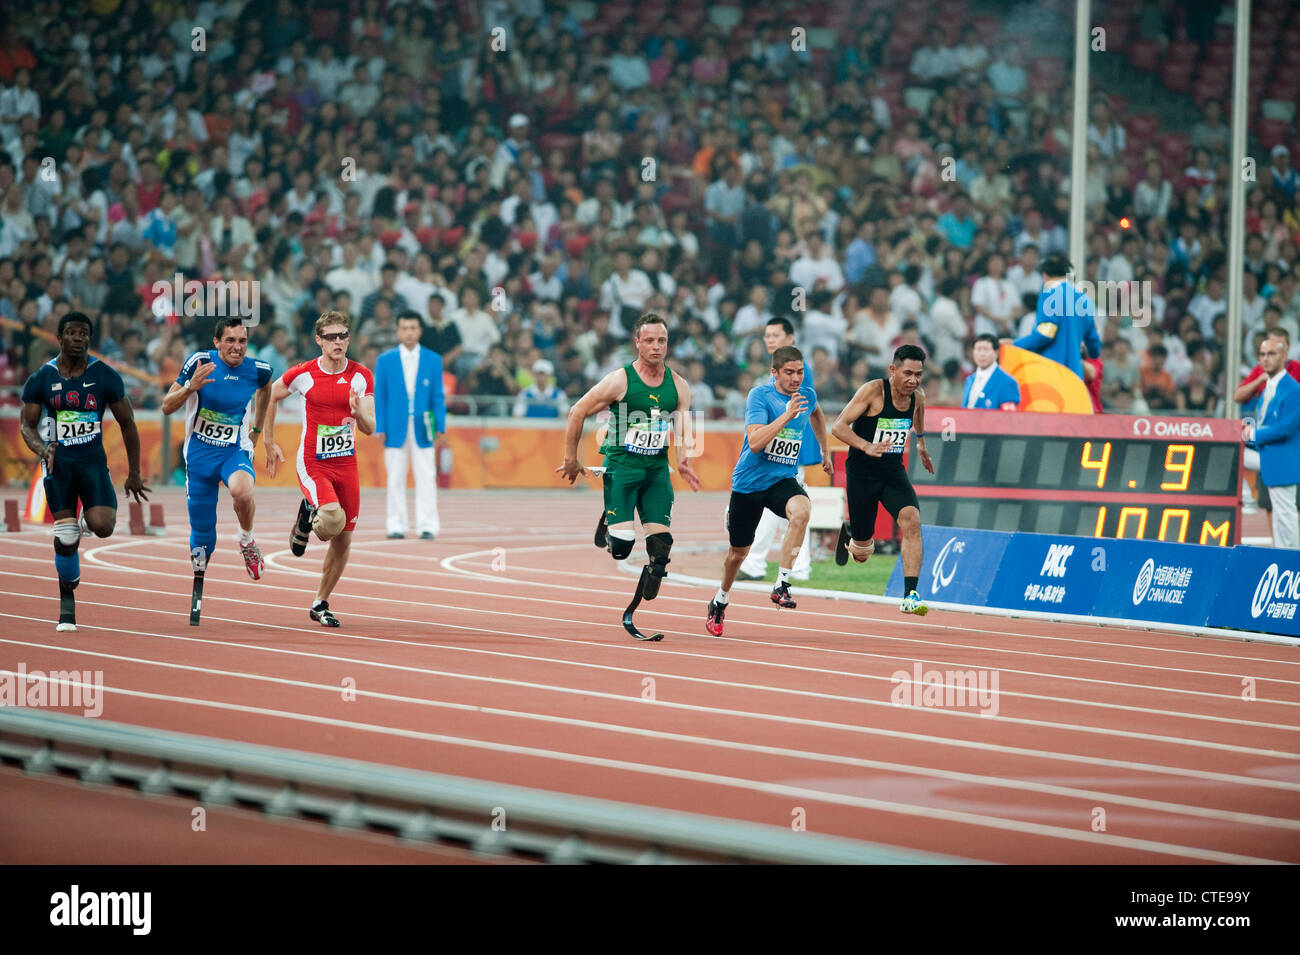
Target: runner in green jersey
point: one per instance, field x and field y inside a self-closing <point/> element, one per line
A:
<point x="648" y="402"/>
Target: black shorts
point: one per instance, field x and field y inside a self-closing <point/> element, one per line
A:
<point x="86" y="479"/>
<point x="745" y="509"/>
<point x="866" y="492"/>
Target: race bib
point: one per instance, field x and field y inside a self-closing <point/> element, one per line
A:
<point x="213" y="427"/>
<point x="646" y="437"/>
<point x="784" y="448"/>
<point x="75" y="427"/>
<point x="895" y="430"/>
<point x="334" y="441"/>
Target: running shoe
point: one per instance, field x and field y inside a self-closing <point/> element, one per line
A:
<point x="745" y="575"/>
<point x="323" y="616"/>
<point x="713" y="623"/>
<point x="301" y="529"/>
<point x="842" y="545"/>
<point x="252" y="559"/>
<point x="912" y="603"/>
<point x="781" y="596"/>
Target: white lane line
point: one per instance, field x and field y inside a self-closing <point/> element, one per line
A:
<point x="1177" y="714"/>
<point x="799" y="721"/>
<point x="767" y="788"/>
<point x="1234" y="696"/>
<point x="273" y="560"/>
<point x="975" y="779"/>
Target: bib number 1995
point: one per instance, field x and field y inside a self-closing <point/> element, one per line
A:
<point x="334" y="441"/>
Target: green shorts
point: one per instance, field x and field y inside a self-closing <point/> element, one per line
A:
<point x="647" y="492"/>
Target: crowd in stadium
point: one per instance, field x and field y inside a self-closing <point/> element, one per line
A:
<point x="527" y="193"/>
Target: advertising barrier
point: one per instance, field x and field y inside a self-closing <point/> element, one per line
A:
<point x="959" y="565"/>
<point x="1169" y="583"/>
<point x="1261" y="591"/>
<point x="1240" y="588"/>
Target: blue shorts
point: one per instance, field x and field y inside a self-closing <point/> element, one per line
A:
<point x="208" y="468"/>
<point x="82" y="479"/>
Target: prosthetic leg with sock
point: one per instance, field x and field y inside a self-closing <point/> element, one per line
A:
<point x="67" y="564"/>
<point x="652" y="574"/>
<point x="201" y="503"/>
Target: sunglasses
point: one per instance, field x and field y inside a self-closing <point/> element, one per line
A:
<point x="336" y="337"/>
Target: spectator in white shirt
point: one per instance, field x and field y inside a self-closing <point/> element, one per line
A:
<point x="817" y="268"/>
<point x="821" y="328"/>
<point x="1153" y="194"/>
<point x="16" y="102"/>
<point x="1205" y="306"/>
<point x="948" y="328"/>
<point x="874" y="329"/>
<point x="421" y="284"/>
<point x="1252" y="305"/>
<point x="625" y="293"/>
<point x="326" y="72"/>
<point x="904" y="300"/>
<point x="352" y="276"/>
<point x="752" y="317"/>
<point x="1104" y="133"/>
<point x="996" y="301"/>
<point x="935" y="60"/>
<point x="182" y="112"/>
<point x="360" y="96"/>
<point x="478" y="331"/>
<point x="971" y="55"/>
<point x="546" y="283"/>
<point x="1120" y="266"/>
<point x="1024" y="274"/>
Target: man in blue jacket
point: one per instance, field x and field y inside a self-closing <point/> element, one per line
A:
<point x="989" y="386"/>
<point x="1277" y="436"/>
<point x="1066" y="319"/>
<point x="410" y="413"/>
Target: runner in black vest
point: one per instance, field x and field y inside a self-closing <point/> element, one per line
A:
<point x="875" y="425"/>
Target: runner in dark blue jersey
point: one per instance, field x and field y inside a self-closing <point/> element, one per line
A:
<point x="62" y="422"/>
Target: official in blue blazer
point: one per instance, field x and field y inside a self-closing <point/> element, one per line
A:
<point x="1066" y="319"/>
<point x="989" y="386"/>
<point x="1277" y="436"/>
<point x="411" y="414"/>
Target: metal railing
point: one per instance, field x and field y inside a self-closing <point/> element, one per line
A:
<point x="410" y="805"/>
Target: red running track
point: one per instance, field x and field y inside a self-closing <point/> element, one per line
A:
<point x="496" y="653"/>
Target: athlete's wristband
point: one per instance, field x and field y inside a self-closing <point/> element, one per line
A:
<point x="254" y="430"/>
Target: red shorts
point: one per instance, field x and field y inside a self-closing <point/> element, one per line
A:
<point x="323" y="483"/>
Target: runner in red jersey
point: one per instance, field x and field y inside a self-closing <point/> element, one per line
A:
<point x="339" y="400"/>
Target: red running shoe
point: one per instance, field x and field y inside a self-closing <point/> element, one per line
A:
<point x="781" y="596"/>
<point x="252" y="559"/>
<point x="713" y="623"/>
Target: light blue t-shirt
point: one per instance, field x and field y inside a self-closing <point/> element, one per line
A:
<point x="811" y="452"/>
<point x="780" y="459"/>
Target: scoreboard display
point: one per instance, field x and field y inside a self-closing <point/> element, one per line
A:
<point x="1147" y="478"/>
